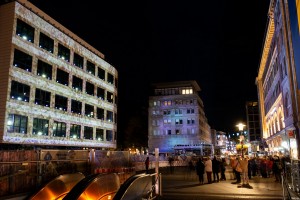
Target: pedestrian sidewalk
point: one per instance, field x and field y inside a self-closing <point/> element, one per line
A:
<point x="183" y="184"/>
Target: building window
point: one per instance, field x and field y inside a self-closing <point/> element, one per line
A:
<point x="169" y="132"/>
<point x="190" y="111"/>
<point x="110" y="97"/>
<point x="178" y="121"/>
<point x="62" y="77"/>
<point x="109" y="116"/>
<point x="167" y="121"/>
<point x="88" y="133"/>
<point x="76" y="107"/>
<point x="101" y="73"/>
<point x="44" y="70"/>
<point x="167" y="112"/>
<point x="59" y="129"/>
<point x="63" y="53"/>
<point x="19" y="91"/>
<point x="42" y="97"/>
<point x="190" y="121"/>
<point x="167" y="103"/>
<point x="75" y="130"/>
<point x="17" y="124"/>
<point x="77" y="83"/>
<point x="61" y="103"/>
<point x="178" y="111"/>
<point x="89" y="110"/>
<point x="100" y="93"/>
<point x="99" y="134"/>
<point x="46" y="43"/>
<point x="110" y="78"/>
<point x="187" y="91"/>
<point x="90" y="67"/>
<point x="109" y="135"/>
<point x="22" y="60"/>
<point x="78" y="61"/>
<point x="177" y="131"/>
<point x="25" y="31"/>
<point x="40" y="126"/>
<point x="89" y="88"/>
<point x="100" y="113"/>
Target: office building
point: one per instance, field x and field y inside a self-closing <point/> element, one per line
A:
<point x="176" y="116"/>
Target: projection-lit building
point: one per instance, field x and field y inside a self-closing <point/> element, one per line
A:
<point x="176" y="117"/>
<point x="55" y="89"/>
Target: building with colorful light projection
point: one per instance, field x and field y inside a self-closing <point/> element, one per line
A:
<point x="176" y="117"/>
<point x="56" y="89"/>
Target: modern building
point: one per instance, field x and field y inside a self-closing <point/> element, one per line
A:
<point x="278" y="79"/>
<point x="55" y="89"/>
<point x="220" y="142"/>
<point x="253" y="126"/>
<point x="176" y="116"/>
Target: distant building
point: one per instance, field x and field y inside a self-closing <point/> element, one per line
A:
<point x="253" y="125"/>
<point x="56" y="90"/>
<point x="220" y="142"/>
<point x="278" y="79"/>
<point x="176" y="116"/>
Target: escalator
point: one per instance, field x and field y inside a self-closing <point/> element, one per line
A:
<point x="97" y="187"/>
<point x="58" y="187"/>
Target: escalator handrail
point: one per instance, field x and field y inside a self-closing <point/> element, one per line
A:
<point x="79" y="188"/>
<point x="123" y="188"/>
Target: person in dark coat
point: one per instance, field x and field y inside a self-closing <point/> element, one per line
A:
<point x="216" y="169"/>
<point x="223" y="168"/>
<point x="200" y="170"/>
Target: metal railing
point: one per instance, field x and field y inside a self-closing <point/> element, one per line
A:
<point x="290" y="179"/>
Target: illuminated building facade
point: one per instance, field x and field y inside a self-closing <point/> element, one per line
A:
<point x="278" y="79"/>
<point x="55" y="89"/>
<point x="176" y="116"/>
<point x="253" y="126"/>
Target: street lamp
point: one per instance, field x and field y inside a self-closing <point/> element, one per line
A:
<point x="241" y="128"/>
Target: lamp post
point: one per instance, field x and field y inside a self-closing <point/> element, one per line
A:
<point x="241" y="128"/>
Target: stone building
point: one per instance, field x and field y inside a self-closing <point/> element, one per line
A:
<point x="55" y="89"/>
<point x="176" y="116"/>
<point x="278" y="79"/>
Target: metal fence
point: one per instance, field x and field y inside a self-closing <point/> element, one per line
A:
<point x="291" y="179"/>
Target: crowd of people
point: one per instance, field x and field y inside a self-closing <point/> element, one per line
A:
<point x="243" y="168"/>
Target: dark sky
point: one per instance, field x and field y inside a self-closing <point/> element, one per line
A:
<point x="217" y="43"/>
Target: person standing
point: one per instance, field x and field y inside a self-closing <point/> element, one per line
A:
<point x="236" y="166"/>
<point x="223" y="168"/>
<point x="208" y="169"/>
<point x="147" y="162"/>
<point x="216" y="169"/>
<point x="244" y="165"/>
<point x="200" y="170"/>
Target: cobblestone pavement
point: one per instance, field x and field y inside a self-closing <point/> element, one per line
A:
<point x="184" y="185"/>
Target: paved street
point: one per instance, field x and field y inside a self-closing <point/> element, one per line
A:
<point x="182" y="185"/>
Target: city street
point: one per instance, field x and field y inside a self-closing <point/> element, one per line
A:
<point x="183" y="185"/>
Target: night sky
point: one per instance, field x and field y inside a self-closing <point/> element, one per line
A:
<point x="217" y="43"/>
